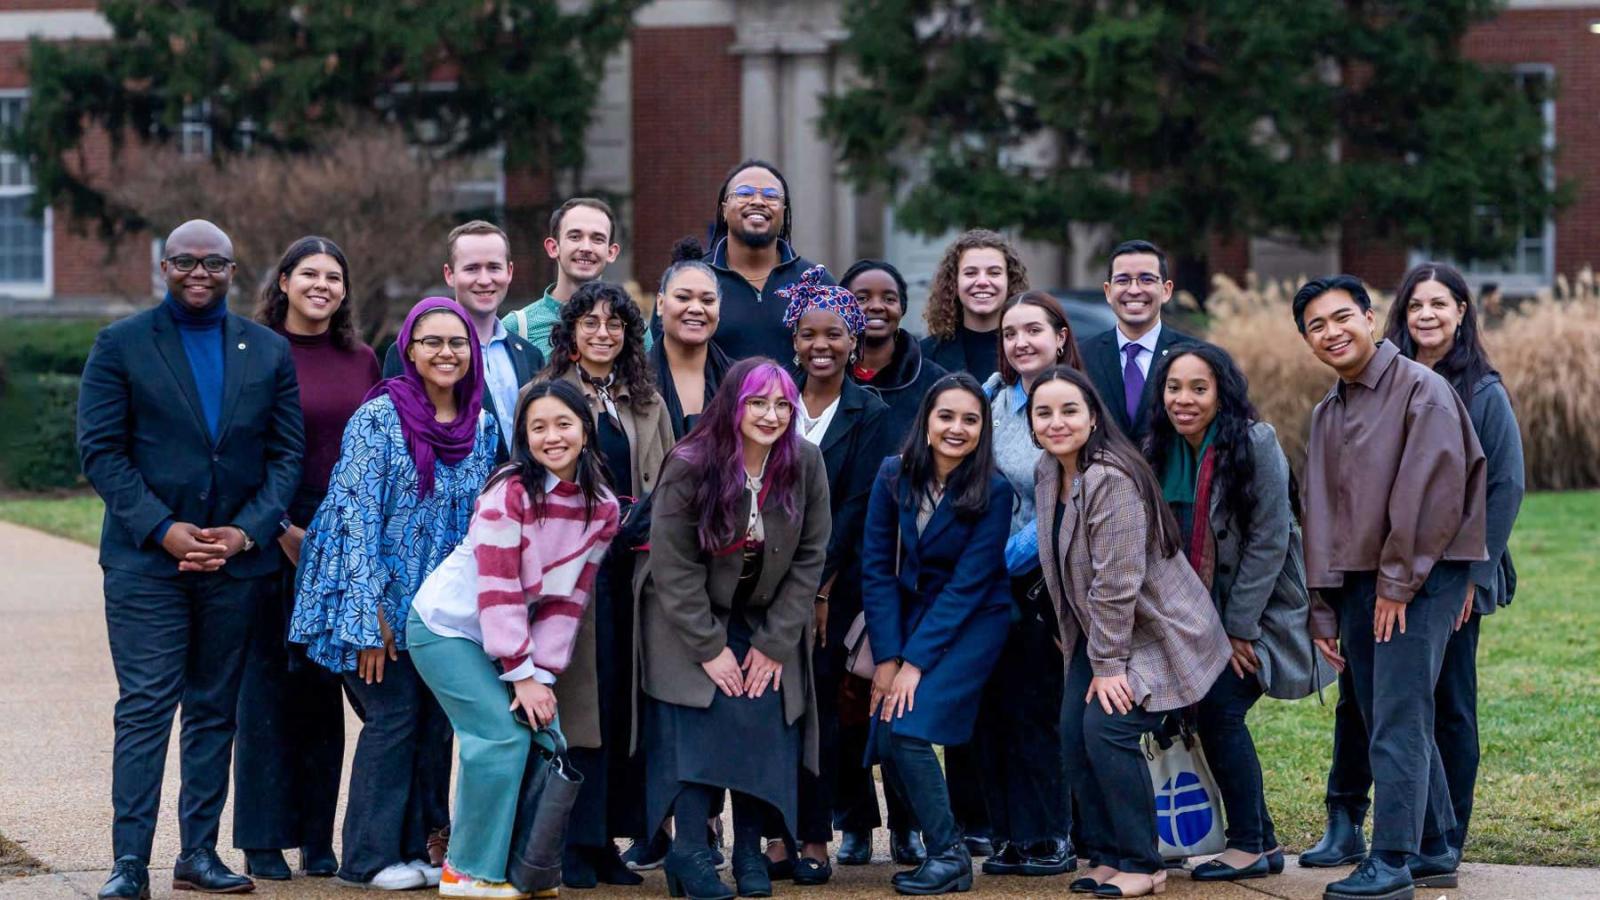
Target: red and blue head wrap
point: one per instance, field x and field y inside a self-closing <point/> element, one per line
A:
<point x="812" y="292"/>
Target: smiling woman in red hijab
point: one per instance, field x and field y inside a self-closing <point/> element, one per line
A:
<point x="412" y="462"/>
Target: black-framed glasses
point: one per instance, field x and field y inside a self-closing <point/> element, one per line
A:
<point x="433" y="343"/>
<point x="185" y="263"/>
<point x="747" y="192"/>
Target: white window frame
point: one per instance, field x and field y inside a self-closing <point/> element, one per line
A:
<point x="1521" y="284"/>
<point x="45" y="288"/>
<point x="496" y="185"/>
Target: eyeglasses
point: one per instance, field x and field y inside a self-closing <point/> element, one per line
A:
<point x="760" y="406"/>
<point x="593" y="324"/>
<point x="746" y="192"/>
<point x="433" y="344"/>
<point x="1145" y="279"/>
<point x="185" y="263"/>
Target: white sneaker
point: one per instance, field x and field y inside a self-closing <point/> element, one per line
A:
<point x="430" y="873"/>
<point x="397" y="877"/>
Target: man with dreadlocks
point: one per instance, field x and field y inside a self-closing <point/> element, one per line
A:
<point x="753" y="260"/>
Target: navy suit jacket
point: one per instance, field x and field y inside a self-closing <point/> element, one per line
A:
<point x="145" y="447"/>
<point x="1102" y="362"/>
<point x="526" y="360"/>
<point x="947" y="610"/>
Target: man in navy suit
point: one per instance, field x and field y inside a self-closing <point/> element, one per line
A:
<point x="478" y="267"/>
<point x="1119" y="360"/>
<point x="189" y="428"/>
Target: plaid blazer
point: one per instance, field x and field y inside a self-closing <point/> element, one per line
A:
<point x="1144" y="616"/>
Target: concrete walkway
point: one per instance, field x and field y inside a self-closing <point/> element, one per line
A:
<point x="56" y="695"/>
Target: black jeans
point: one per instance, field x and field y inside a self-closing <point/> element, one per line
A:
<point x="911" y="768"/>
<point x="289" y="755"/>
<point x="1394" y="686"/>
<point x="1455" y="732"/>
<point x="175" y="641"/>
<point x="400" y="778"/>
<point x="856" y="796"/>
<point x="1220" y="719"/>
<point x="1019" y="742"/>
<point x="1110" y="780"/>
<point x="819" y="790"/>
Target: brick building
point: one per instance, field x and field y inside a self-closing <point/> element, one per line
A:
<point x="704" y="83"/>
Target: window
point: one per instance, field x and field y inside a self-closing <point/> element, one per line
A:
<point x="24" y="237"/>
<point x="194" y="131"/>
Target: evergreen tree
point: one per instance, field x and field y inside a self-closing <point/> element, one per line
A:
<point x="1181" y="119"/>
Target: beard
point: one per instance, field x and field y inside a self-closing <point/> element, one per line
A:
<point x="752" y="240"/>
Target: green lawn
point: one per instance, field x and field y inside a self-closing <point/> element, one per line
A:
<point x="1538" y="796"/>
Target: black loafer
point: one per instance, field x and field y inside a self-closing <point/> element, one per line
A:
<point x="855" y="848"/>
<point x="1434" y="871"/>
<point x="1374" y="879"/>
<point x="1048" y="857"/>
<point x="810" y="872"/>
<point x="267" y="864"/>
<point x="318" y="862"/>
<point x="202" y="870"/>
<point x="907" y="847"/>
<point x="978" y="845"/>
<point x="130" y="879"/>
<point x="1005" y="860"/>
<point x="1216" y="870"/>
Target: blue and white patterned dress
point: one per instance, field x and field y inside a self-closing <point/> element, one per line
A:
<point x="373" y="541"/>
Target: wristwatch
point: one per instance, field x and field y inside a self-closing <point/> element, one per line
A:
<point x="249" y="544"/>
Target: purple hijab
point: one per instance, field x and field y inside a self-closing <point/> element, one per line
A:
<point x="428" y="440"/>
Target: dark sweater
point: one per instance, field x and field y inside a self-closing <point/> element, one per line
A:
<point x="973" y="352"/>
<point x="332" y="384"/>
<point x="201" y="333"/>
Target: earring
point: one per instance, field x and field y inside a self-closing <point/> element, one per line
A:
<point x="797" y="358"/>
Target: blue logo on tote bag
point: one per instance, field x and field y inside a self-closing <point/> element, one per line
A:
<point x="1183" y="811"/>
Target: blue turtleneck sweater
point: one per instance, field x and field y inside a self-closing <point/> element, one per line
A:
<point x="201" y="332"/>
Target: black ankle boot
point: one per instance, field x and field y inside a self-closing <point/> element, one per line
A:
<point x="609" y="868"/>
<point x="1341" y="845"/>
<point x="750" y="873"/>
<point x="906" y="846"/>
<point x="576" y="872"/>
<point x="693" y="874"/>
<point x="318" y="862"/>
<point x="855" y="848"/>
<point x="1437" y="871"/>
<point x="946" y="873"/>
<point x="266" y="864"/>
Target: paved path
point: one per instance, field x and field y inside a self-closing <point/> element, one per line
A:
<point x="56" y="696"/>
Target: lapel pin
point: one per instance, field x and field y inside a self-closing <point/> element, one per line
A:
<point x="241" y="345"/>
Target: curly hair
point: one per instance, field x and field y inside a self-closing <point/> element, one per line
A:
<point x="631" y="367"/>
<point x="272" y="307"/>
<point x="944" y="306"/>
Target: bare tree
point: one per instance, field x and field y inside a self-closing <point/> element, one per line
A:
<point x="386" y="203"/>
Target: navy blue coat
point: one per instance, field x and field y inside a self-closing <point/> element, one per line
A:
<point x="145" y="447"/>
<point x="948" y="611"/>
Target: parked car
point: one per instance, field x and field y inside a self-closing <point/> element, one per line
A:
<point x="1087" y="312"/>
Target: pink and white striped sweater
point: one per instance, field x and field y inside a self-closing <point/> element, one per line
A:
<point x="536" y="574"/>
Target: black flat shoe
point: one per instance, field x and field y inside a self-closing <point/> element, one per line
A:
<point x="750" y="875"/>
<point x="609" y="868"/>
<point x="946" y="873"/>
<point x="318" y="862"/>
<point x="1341" y="845"/>
<point x="130" y="879"/>
<point x="977" y="845"/>
<point x="855" y="848"/>
<point x="1216" y="870"/>
<point x="202" y="870"/>
<point x="810" y="872"/>
<point x="1046" y="858"/>
<point x="907" y="848"/>
<point x="1083" y="886"/>
<point x="1275" y="861"/>
<point x="694" y="875"/>
<point x="576" y="872"/>
<point x="1434" y="871"/>
<point x="1374" y="879"/>
<point x="1005" y="860"/>
<point x="782" y="869"/>
<point x="267" y="864"/>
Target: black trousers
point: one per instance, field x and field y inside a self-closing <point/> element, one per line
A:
<point x="1110" y="781"/>
<point x="856" y="797"/>
<point x="818" y="791"/>
<point x="175" y="642"/>
<point x="1394" y="684"/>
<point x="611" y="802"/>
<point x="1019" y="741"/>
<point x="1455" y="733"/>
<point x="964" y="771"/>
<point x="911" y="769"/>
<point x="1231" y="752"/>
<point x="400" y="777"/>
<point x="290" y="750"/>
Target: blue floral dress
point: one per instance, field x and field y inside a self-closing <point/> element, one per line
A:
<point x="373" y="541"/>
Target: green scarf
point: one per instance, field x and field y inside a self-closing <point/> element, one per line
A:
<point x="1181" y="476"/>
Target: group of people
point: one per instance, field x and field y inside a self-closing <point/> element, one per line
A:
<point x="746" y="550"/>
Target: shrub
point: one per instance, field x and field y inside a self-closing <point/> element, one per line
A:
<point x="1545" y="349"/>
<point x="39" y="447"/>
<point x="60" y="346"/>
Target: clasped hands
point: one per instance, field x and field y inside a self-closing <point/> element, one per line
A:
<point x="750" y="679"/>
<point x="202" y="549"/>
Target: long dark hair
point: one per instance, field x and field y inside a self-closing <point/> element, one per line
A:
<point x="714" y="449"/>
<point x="1235" y="461"/>
<point x="968" y="483"/>
<point x="1107" y="445"/>
<point x="272" y="308"/>
<point x="1057" y="317"/>
<point x="591" y="473"/>
<point x="1467" y="362"/>
<point x="720" y="229"/>
<point x="631" y="367"/>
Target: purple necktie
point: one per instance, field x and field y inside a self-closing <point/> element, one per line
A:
<point x="1132" y="382"/>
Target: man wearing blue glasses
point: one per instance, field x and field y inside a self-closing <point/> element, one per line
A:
<point x="1118" y="361"/>
<point x="751" y="254"/>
